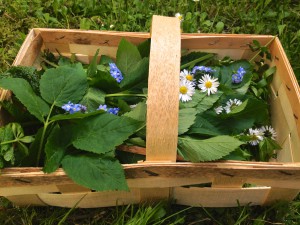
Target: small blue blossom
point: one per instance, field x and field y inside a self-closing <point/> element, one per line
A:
<point x="73" y="108"/>
<point x="114" y="111"/>
<point x="115" y="72"/>
<point x="202" y="69"/>
<point x="102" y="107"/>
<point x="238" y="76"/>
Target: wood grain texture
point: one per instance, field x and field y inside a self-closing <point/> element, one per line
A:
<point x="163" y="90"/>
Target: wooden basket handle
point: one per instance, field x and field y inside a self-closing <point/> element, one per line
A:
<point x="163" y="90"/>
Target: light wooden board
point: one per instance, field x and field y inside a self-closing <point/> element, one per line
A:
<point x="163" y="90"/>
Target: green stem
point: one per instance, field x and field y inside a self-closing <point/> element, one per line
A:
<point x="257" y="54"/>
<point x="8" y="142"/>
<point x="197" y="60"/>
<point x="43" y="135"/>
<point x="50" y="63"/>
<point x="126" y="95"/>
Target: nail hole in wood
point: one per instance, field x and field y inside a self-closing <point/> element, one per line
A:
<point x="227" y="174"/>
<point x="150" y="173"/>
<point x="285" y="172"/>
<point x="23" y="181"/>
<point x="296" y="117"/>
<point x="288" y="87"/>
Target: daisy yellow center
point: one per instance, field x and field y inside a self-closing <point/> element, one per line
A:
<point x="208" y="84"/>
<point x="189" y="77"/>
<point x="183" y="90"/>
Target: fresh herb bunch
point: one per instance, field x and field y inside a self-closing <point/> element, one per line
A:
<point x="77" y="115"/>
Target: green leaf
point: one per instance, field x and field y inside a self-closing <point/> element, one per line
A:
<point x="93" y="98"/>
<point x="127" y="57"/>
<point x="219" y="27"/>
<point x="144" y="48"/>
<point x="92" y="69"/>
<point x="251" y="108"/>
<point x="226" y="72"/>
<point x="9" y="155"/>
<point x="63" y="84"/>
<point x="138" y="113"/>
<point x="207" y="102"/>
<point x="266" y="149"/>
<point x="187" y="117"/>
<point x="23" y="91"/>
<point x="137" y="74"/>
<point x="55" y="148"/>
<point x="210" y="149"/>
<point x="73" y="116"/>
<point x="95" y="172"/>
<point x="104" y="81"/>
<point x="197" y="97"/>
<point x="105" y="60"/>
<point x="203" y="127"/>
<point x="102" y="133"/>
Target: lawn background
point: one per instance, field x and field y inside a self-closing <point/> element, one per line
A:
<point x="280" y="17"/>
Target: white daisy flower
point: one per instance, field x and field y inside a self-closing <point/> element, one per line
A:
<point x="179" y="16"/>
<point x="230" y="104"/>
<point x="219" y="109"/>
<point x="208" y="84"/>
<point x="186" y="75"/>
<point x="268" y="131"/>
<point x="256" y="136"/>
<point x="186" y="90"/>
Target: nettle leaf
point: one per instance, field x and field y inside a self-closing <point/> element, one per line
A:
<point x="136" y="74"/>
<point x="186" y="119"/>
<point x="204" y="127"/>
<point x="207" y="102"/>
<point x="251" y="108"/>
<point x="63" y="84"/>
<point x="127" y="57"/>
<point x="197" y="97"/>
<point x="95" y="172"/>
<point x="102" y="133"/>
<point x="139" y="112"/>
<point x="210" y="149"/>
<point x="93" y="98"/>
<point x="23" y="91"/>
<point x="55" y="148"/>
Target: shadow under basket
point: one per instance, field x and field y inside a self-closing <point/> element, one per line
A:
<point x="160" y="176"/>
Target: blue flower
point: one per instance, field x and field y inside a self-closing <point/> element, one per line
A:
<point x="238" y="76"/>
<point x="73" y="108"/>
<point x="114" y="111"/>
<point x="102" y="107"/>
<point x="115" y="72"/>
<point x="202" y="69"/>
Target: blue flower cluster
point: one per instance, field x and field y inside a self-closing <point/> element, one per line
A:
<point x="238" y="76"/>
<point x="115" y="72"/>
<point x="114" y="111"/>
<point x="202" y="69"/>
<point x="73" y="108"/>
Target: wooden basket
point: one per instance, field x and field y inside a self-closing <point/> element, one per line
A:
<point x="160" y="176"/>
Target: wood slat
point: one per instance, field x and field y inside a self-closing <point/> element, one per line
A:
<point x="163" y="87"/>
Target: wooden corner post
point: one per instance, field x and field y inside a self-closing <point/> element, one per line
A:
<point x="163" y="89"/>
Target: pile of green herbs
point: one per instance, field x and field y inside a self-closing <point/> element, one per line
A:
<point x="75" y="116"/>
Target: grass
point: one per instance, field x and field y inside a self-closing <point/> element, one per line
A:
<point x="280" y="18"/>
